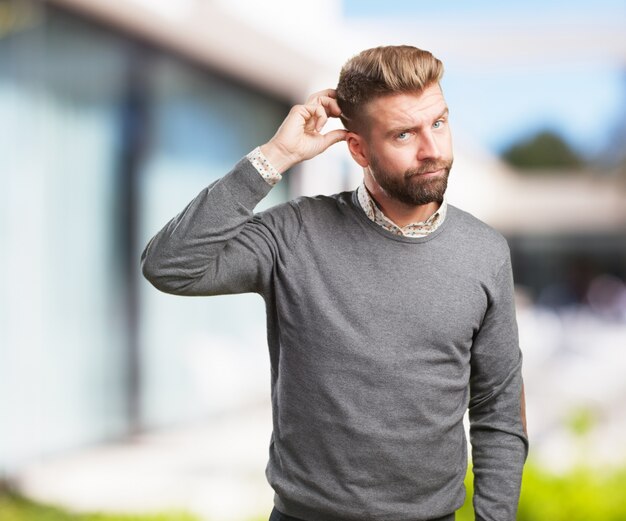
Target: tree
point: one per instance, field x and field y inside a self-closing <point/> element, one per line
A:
<point x="545" y="150"/>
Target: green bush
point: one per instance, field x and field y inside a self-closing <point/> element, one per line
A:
<point x="14" y="507"/>
<point x="583" y="494"/>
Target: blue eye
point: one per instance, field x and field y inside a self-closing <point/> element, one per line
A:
<point x="402" y="136"/>
<point x="438" y="123"/>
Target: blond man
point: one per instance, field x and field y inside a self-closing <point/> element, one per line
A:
<point x="390" y="311"/>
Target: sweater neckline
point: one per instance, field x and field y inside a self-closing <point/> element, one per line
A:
<point x="450" y="215"/>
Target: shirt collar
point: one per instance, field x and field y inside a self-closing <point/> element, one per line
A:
<point x="416" y="229"/>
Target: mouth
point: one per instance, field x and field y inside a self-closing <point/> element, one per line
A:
<point x="431" y="174"/>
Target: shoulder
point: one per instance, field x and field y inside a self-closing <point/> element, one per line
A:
<point x="468" y="223"/>
<point x="321" y="211"/>
<point x="323" y="207"/>
<point x="478" y="237"/>
<point x="318" y="204"/>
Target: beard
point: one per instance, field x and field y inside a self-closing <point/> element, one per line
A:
<point x="411" y="188"/>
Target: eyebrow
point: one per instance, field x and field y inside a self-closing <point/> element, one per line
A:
<point x="445" y="112"/>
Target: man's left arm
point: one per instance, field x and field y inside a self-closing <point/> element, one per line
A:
<point x="496" y="408"/>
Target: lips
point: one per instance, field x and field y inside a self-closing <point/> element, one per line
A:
<point x="433" y="173"/>
<point x="428" y="170"/>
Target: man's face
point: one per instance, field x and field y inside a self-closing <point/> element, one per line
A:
<point x="407" y="146"/>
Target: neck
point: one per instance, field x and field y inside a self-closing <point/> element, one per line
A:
<point x="397" y="211"/>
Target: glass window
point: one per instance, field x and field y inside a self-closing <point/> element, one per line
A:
<point x="104" y="140"/>
<point x="195" y="356"/>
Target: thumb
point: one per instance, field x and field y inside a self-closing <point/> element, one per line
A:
<point x="334" y="136"/>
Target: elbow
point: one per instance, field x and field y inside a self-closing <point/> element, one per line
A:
<point x="151" y="270"/>
<point x="164" y="282"/>
<point x="156" y="272"/>
<point x="150" y="273"/>
<point x="170" y="277"/>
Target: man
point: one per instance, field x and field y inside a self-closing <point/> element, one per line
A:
<point x="390" y="311"/>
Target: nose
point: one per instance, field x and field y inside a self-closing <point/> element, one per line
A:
<point x="428" y="148"/>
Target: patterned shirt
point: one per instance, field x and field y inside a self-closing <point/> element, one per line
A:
<point x="263" y="166"/>
<point x="417" y="229"/>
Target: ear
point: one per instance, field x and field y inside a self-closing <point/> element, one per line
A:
<point x="358" y="148"/>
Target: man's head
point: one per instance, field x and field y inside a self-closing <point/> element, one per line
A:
<point x="382" y="71"/>
<point x="397" y="118"/>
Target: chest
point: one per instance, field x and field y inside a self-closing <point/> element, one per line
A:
<point x="411" y="291"/>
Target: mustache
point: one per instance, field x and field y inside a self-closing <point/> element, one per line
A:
<point x="429" y="165"/>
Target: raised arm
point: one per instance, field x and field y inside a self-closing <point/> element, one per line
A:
<point x="496" y="411"/>
<point x="216" y="244"/>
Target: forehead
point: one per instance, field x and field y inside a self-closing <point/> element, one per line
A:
<point x="406" y="109"/>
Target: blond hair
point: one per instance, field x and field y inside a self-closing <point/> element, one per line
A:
<point x="381" y="71"/>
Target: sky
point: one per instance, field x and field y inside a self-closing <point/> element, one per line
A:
<point x="583" y="106"/>
<point x="481" y="8"/>
<point x="583" y="99"/>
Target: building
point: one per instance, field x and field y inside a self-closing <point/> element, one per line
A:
<point x="114" y="115"/>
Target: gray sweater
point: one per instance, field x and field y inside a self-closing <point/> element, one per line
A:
<point x="378" y="345"/>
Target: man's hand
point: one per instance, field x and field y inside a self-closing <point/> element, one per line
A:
<point x="299" y="138"/>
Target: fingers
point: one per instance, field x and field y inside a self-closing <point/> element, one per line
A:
<point x="334" y="136"/>
<point x="318" y="109"/>
<point x="330" y="105"/>
<point x="328" y="99"/>
<point x="315" y="117"/>
<point x="329" y="93"/>
<point x="320" y="117"/>
<point x="299" y="136"/>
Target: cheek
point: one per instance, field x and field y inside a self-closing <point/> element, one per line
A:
<point x="397" y="158"/>
<point x="404" y="158"/>
<point x="446" y="145"/>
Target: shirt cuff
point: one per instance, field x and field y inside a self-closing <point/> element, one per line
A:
<point x="263" y="166"/>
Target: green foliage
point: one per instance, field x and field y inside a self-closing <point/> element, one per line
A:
<point x="17" y="508"/>
<point x="466" y="512"/>
<point x="583" y="494"/>
<point x="581" y="421"/>
<point x="545" y="150"/>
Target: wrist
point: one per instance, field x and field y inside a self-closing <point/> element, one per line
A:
<point x="279" y="158"/>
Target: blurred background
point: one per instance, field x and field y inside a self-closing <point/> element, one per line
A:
<point x="113" y="115"/>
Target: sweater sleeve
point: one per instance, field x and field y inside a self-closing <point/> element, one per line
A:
<point x="499" y="442"/>
<point x="216" y="245"/>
